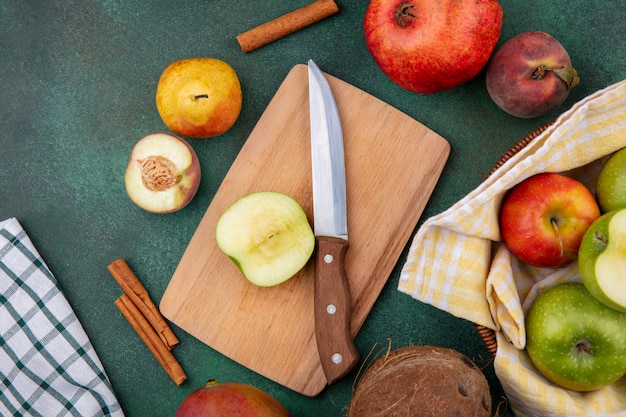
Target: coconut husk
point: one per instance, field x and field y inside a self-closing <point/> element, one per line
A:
<point x="422" y="381"/>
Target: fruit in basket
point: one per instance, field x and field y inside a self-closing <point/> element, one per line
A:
<point x="431" y="45"/>
<point x="611" y="183"/>
<point x="544" y="218"/>
<point x="199" y="97"/>
<point x="602" y="259"/>
<point x="425" y="381"/>
<point x="267" y="235"/>
<point x="216" y="399"/>
<point x="530" y="75"/>
<point x="574" y="340"/>
<point x="163" y="173"/>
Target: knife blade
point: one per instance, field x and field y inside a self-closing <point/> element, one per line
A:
<point x="332" y="304"/>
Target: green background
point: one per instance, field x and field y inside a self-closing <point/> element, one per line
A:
<point x="77" y="84"/>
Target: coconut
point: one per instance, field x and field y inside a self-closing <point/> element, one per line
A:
<point x="422" y="381"/>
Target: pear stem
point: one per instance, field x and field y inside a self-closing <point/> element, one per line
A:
<point x="211" y="383"/>
<point x="200" y="96"/>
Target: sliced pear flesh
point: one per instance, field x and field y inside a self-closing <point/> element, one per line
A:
<point x="611" y="263"/>
<point x="267" y="235"/>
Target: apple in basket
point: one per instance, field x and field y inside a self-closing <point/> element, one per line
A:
<point x="611" y="183"/>
<point x="163" y="173"/>
<point x="428" y="46"/>
<point x="574" y="340"/>
<point x="544" y="218"/>
<point x="530" y="74"/>
<point x="602" y="259"/>
<point x="267" y="235"/>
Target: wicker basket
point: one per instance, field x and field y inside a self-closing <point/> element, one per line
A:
<point x="488" y="335"/>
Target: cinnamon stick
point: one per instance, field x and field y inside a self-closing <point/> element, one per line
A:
<point x="131" y="285"/>
<point x="149" y="336"/>
<point x="286" y="24"/>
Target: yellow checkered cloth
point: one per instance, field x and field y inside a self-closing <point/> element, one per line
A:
<point x="457" y="262"/>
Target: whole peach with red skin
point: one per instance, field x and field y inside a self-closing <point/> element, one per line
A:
<point x="544" y="218"/>
<point x="228" y="399"/>
<point x="428" y="46"/>
<point x="530" y="75"/>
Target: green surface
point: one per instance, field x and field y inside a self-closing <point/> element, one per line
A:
<point x="77" y="83"/>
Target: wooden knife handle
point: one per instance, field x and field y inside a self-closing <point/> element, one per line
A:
<point x="333" y="309"/>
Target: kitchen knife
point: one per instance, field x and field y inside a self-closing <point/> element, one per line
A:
<point x="332" y="305"/>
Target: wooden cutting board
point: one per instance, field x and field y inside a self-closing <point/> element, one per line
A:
<point x="392" y="165"/>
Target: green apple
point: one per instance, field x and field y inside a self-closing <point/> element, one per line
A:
<point x="574" y="340"/>
<point x="602" y="259"/>
<point x="611" y="183"/>
<point x="267" y="235"/>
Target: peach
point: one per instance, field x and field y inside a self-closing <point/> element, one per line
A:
<point x="216" y="399"/>
<point x="530" y="75"/>
<point x="163" y="173"/>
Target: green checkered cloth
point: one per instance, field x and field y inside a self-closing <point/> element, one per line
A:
<point x="48" y="366"/>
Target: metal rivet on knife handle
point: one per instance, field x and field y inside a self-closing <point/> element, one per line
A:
<point x="332" y="308"/>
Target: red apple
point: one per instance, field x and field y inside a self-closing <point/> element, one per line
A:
<point x="163" y="173"/>
<point x="544" y="218"/>
<point x="428" y="46"/>
<point x="530" y="75"/>
<point x="230" y="399"/>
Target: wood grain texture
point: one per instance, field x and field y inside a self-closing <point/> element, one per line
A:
<point x="392" y="166"/>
